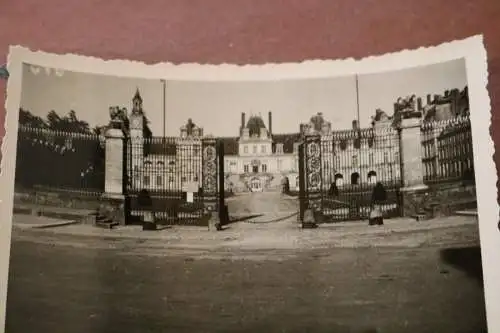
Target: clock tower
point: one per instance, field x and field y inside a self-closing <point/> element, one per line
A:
<point x="137" y="116"/>
<point x="137" y="131"/>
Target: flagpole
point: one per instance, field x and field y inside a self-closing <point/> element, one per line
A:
<point x="357" y="101"/>
<point x="164" y="82"/>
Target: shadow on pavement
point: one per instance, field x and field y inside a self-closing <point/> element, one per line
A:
<point x="466" y="259"/>
<point x="274" y="220"/>
<point x="242" y="218"/>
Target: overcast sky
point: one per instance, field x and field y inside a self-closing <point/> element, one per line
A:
<point x="217" y="106"/>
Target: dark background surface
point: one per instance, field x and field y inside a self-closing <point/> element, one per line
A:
<point x="251" y="31"/>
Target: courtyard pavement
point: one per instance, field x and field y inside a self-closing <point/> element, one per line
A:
<point x="283" y="235"/>
<point x="109" y="284"/>
<point x="263" y="274"/>
<point x="262" y="206"/>
<point x="261" y="221"/>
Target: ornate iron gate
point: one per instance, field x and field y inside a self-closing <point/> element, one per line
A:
<point x="340" y="170"/>
<point x="172" y="179"/>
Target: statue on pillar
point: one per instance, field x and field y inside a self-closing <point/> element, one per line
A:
<point x="118" y="117"/>
<point x="406" y="108"/>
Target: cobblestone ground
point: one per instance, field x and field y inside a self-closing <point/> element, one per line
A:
<point x="262" y="207"/>
<point x="70" y="283"/>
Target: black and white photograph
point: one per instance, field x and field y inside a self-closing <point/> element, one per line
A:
<point x="341" y="203"/>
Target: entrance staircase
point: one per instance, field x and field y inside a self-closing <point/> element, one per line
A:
<point x="83" y="216"/>
<point x="102" y="221"/>
<point x="434" y="209"/>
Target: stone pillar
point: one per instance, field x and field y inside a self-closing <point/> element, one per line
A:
<point x="413" y="191"/>
<point x="114" y="161"/>
<point x="113" y="200"/>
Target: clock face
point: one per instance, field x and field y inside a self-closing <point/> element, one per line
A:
<point x="136" y="122"/>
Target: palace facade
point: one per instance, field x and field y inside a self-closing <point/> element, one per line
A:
<point x="257" y="159"/>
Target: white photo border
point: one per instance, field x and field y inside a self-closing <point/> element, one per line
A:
<point x="471" y="49"/>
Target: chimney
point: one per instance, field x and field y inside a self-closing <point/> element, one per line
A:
<point x="429" y="100"/>
<point x="270" y="120"/>
<point x="242" y="120"/>
<point x="419" y="104"/>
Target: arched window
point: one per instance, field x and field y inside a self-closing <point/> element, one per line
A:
<point x="339" y="179"/>
<point x="354" y="178"/>
<point x="372" y="177"/>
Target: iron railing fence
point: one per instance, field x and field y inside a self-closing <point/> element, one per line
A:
<point x="61" y="161"/>
<point x="342" y="169"/>
<point x="447" y="154"/>
<point x="174" y="179"/>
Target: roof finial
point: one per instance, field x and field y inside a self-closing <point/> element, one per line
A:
<point x="137" y="94"/>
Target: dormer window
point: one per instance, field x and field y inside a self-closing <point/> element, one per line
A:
<point x="279" y="148"/>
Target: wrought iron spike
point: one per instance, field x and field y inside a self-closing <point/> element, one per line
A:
<point x="4" y="73"/>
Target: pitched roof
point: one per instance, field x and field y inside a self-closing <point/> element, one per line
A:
<point x="137" y="95"/>
<point x="287" y="140"/>
<point x="160" y="146"/>
<point x="230" y="145"/>
<point x="254" y="124"/>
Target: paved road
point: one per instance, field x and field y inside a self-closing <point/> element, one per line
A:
<point x="55" y="288"/>
<point x="262" y="206"/>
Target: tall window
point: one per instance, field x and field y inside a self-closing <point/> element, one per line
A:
<point x="337" y="162"/>
<point x="255" y="149"/>
<point x="264" y="167"/>
<point x="146" y="180"/>
<point x="280" y="162"/>
<point x="245" y="149"/>
<point x="196" y="150"/>
<point x="246" y="168"/>
<point x="386" y="157"/>
<point x="370" y="159"/>
<point x="355" y="161"/>
<point x="159" y="181"/>
<point x="263" y="149"/>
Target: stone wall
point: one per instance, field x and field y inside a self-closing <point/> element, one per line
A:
<point x="442" y="199"/>
<point x="69" y="205"/>
<point x="71" y="200"/>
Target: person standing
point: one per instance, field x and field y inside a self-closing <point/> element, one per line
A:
<point x="334" y="190"/>
<point x="379" y="196"/>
